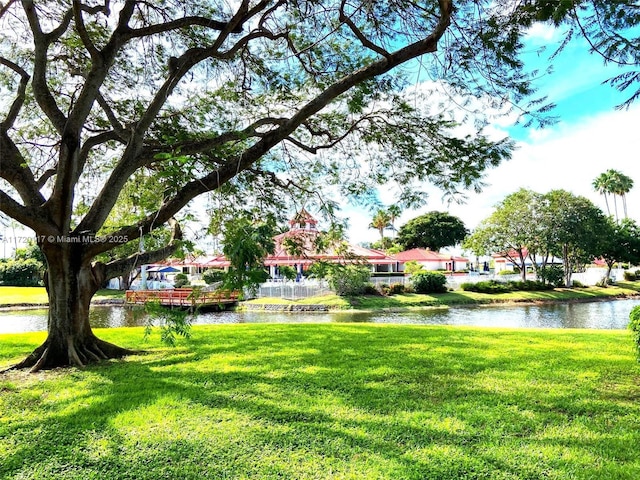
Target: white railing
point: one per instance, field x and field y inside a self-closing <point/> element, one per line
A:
<point x="293" y="290"/>
<point x="310" y="287"/>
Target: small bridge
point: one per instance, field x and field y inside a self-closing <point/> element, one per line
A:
<point x="183" y="298"/>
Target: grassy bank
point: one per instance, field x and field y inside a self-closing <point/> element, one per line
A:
<point x="38" y="296"/>
<point x="459" y="297"/>
<point x="331" y="401"/>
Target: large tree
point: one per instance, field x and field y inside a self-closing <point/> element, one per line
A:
<point x="578" y="230"/>
<point x="233" y="98"/>
<point x="509" y="230"/>
<point x="433" y="230"/>
<point x="621" y="243"/>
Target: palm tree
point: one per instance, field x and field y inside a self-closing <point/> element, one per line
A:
<point x="394" y="212"/>
<point x="602" y="185"/>
<point x="624" y="185"/>
<point x="614" y="183"/>
<point x="380" y="221"/>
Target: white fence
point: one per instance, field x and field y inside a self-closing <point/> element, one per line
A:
<point x="310" y="287"/>
<point x="293" y="290"/>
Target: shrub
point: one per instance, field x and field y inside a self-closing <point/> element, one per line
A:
<point x="21" y="273"/>
<point x="467" y="286"/>
<point x="349" y="279"/>
<point x="494" y="286"/>
<point x="429" y="282"/>
<point x="396" y="289"/>
<point x="552" y="275"/>
<point x="634" y="326"/>
<point x="630" y="276"/>
<point x="412" y="267"/>
<point x="370" y="289"/>
<point x="507" y="272"/>
<point x="213" y="275"/>
<point x="181" y="280"/>
<point x="528" y="285"/>
<point x="288" y="272"/>
<point x="487" y="286"/>
<point x="577" y="284"/>
<point x="383" y="288"/>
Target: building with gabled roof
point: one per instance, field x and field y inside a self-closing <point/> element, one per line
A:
<point x="432" y="260"/>
<point x="297" y="248"/>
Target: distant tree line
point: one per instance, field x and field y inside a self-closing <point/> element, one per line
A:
<point x="531" y="226"/>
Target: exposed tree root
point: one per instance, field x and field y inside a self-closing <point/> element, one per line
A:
<point x="76" y="354"/>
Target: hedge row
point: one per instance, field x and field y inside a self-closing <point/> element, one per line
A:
<point x="494" y="286"/>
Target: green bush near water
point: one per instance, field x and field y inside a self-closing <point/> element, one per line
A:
<point x="429" y="282"/>
<point x="495" y="286"/>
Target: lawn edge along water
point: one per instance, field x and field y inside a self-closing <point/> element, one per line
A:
<point x="11" y="297"/>
<point x="458" y="298"/>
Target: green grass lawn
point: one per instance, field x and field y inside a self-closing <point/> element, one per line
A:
<point x="38" y="295"/>
<point x="331" y="402"/>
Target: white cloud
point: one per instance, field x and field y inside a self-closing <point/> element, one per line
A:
<point x="566" y="156"/>
<point x="542" y="34"/>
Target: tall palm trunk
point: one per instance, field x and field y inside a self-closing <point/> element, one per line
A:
<point x="606" y="202"/>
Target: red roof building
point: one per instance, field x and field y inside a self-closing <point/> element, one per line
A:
<point x="505" y="261"/>
<point x="432" y="260"/>
<point x="297" y="248"/>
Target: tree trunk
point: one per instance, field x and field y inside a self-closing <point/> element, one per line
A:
<point x="523" y="265"/>
<point x="566" y="263"/>
<point x="71" y="283"/>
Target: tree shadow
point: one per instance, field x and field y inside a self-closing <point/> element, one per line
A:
<point x="355" y="399"/>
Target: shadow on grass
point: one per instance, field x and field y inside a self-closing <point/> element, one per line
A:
<point x="303" y="401"/>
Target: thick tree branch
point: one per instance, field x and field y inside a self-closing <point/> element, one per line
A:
<point x="183" y="23"/>
<point x="82" y="30"/>
<point x="346" y="19"/>
<point x="31" y="217"/>
<point x="20" y="94"/>
<point x="236" y="21"/>
<point x="5" y="7"/>
<point x="427" y="45"/>
<point x="131" y="158"/>
<point x="93" y="142"/>
<point x="120" y="267"/>
<point x="49" y="173"/>
<point x="193" y="147"/>
<point x="111" y="116"/>
<point x="16" y="172"/>
<point x="41" y="90"/>
<point x="70" y="165"/>
<point x="215" y="179"/>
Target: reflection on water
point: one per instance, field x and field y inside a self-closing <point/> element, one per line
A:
<point x="595" y="315"/>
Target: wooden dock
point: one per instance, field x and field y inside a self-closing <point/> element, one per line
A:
<point x="183" y="298"/>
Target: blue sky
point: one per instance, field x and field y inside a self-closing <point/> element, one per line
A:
<point x="590" y="137"/>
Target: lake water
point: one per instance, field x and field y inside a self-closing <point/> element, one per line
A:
<point x="593" y="315"/>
